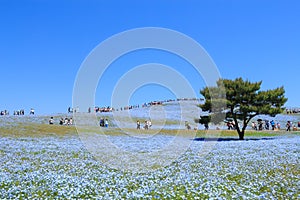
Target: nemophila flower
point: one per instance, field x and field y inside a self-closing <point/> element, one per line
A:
<point x="61" y="168"/>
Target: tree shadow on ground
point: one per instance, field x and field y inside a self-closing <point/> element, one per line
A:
<point x="229" y="139"/>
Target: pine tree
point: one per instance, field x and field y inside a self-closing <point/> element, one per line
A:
<point x="241" y="100"/>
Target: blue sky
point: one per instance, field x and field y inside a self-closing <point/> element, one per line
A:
<point x="43" y="44"/>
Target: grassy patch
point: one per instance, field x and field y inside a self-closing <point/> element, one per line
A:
<point x="226" y="133"/>
<point x="36" y="130"/>
<point x="133" y="120"/>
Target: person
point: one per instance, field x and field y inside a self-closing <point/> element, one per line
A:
<point x="138" y="124"/>
<point x="254" y="127"/>
<point x="102" y="122"/>
<point x="149" y="124"/>
<point x="106" y="123"/>
<point x="31" y="111"/>
<point x="66" y="121"/>
<point x="288" y="126"/>
<point x="230" y="125"/>
<point x="278" y="125"/>
<point x="146" y="125"/>
<point x="71" y="121"/>
<point x="260" y="125"/>
<point x="273" y="124"/>
<point x="295" y="128"/>
<point x="187" y="125"/>
<point x="267" y="125"/>
<point x="51" y="120"/>
<point x="61" y="121"/>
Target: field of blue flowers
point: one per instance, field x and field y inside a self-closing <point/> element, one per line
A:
<point x="57" y="166"/>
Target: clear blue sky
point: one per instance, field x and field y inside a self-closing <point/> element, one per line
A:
<point x="44" y="42"/>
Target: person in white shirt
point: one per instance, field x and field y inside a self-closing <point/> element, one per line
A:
<point x="31" y="111"/>
<point x="51" y="121"/>
<point x="106" y="123"/>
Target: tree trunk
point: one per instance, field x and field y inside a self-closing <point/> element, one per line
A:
<point x="241" y="134"/>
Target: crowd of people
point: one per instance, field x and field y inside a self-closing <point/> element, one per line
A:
<point x="62" y="121"/>
<point x="290" y="126"/>
<point x="102" y="109"/>
<point x="267" y="125"/>
<point x="98" y="109"/>
<point x="147" y="124"/>
<point x="292" y="110"/>
<point x="17" y="112"/>
<point x="230" y="125"/>
<point x="73" y="110"/>
<point x="4" y="112"/>
<point x="103" y="122"/>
